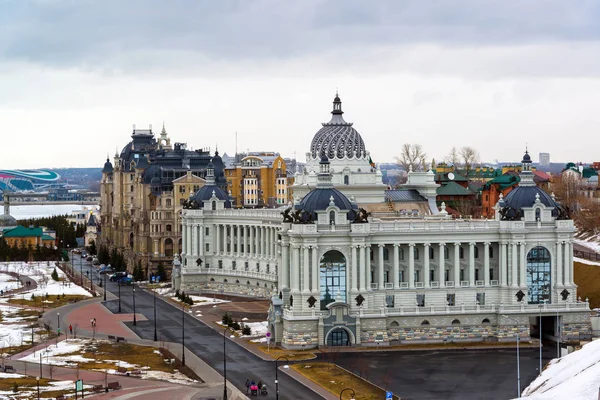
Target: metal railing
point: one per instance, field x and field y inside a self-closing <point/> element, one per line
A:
<point x="587" y="255"/>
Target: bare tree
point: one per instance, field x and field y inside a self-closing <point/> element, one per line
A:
<point x="75" y="329"/>
<point x="469" y="157"/>
<point x="454" y="158"/>
<point x="565" y="187"/>
<point x="51" y="368"/>
<point x="412" y="157"/>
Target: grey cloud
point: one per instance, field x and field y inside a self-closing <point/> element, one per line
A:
<point x="87" y="33"/>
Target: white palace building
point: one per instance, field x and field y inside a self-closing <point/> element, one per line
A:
<point x="351" y="263"/>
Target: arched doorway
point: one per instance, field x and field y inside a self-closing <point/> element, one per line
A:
<point x="332" y="278"/>
<point x="338" y="337"/>
<point x="538" y="275"/>
<point x="168" y="247"/>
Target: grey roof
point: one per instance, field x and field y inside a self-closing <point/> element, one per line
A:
<point x="206" y="192"/>
<point x="524" y="196"/>
<point x="403" y="196"/>
<point x="92" y="220"/>
<point x="318" y="200"/>
<point x="108" y="168"/>
<point x="337" y="138"/>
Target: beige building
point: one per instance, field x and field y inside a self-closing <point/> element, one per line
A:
<point x="142" y="196"/>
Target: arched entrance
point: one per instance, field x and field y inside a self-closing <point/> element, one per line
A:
<point x="538" y="275"/>
<point x="332" y="278"/>
<point x="339" y="337"/>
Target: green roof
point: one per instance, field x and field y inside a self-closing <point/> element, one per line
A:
<point x="443" y="177"/>
<point x="503" y="181"/>
<point x="453" y="189"/>
<point x="47" y="237"/>
<point x="21" y="231"/>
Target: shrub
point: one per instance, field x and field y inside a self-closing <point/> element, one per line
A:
<point x="177" y="293"/>
<point x="15" y="388"/>
<point x="226" y="319"/>
<point x="235" y="326"/>
<point x="246" y="330"/>
<point x="32" y="296"/>
<point x="182" y="296"/>
<point x="55" y="274"/>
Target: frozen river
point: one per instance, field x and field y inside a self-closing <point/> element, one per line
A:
<point x="45" y="210"/>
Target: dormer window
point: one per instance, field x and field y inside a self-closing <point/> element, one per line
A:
<point x="332" y="217"/>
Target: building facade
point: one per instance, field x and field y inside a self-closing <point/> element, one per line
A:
<point x="142" y="195"/>
<point x="337" y="275"/>
<point x="260" y="179"/>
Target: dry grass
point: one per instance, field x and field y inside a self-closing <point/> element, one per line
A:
<point x="334" y="379"/>
<point x="52" y="301"/>
<point x="276" y="351"/>
<point x="587" y="277"/>
<point x="7" y="384"/>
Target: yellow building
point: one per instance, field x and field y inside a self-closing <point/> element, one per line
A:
<point x="259" y="180"/>
<point x="23" y="237"/>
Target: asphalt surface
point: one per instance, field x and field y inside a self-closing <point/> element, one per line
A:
<point x="203" y="341"/>
<point x="449" y="374"/>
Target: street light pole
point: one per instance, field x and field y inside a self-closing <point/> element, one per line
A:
<point x="37" y="378"/>
<point x="225" y="365"/>
<point x="540" y="328"/>
<point x="183" y="334"/>
<point x="57" y="326"/>
<point x="81" y="270"/>
<point x="557" y="333"/>
<point x="134" y="319"/>
<point x="155" y="335"/>
<point x="277" y="376"/>
<point x="119" y="286"/>
<point x="105" y="288"/>
<point x="351" y="396"/>
<point x="518" y="357"/>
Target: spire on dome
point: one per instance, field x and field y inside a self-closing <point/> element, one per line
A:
<point x="337" y="105"/>
<point x="526" y="174"/>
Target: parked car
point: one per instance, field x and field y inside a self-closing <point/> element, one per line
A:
<point x="89" y="258"/>
<point x="106" y="270"/>
<point x="117" y="276"/>
<point x="126" y="281"/>
<point x="95" y="261"/>
<point x="83" y="254"/>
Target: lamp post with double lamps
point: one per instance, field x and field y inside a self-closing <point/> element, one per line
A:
<point x="57" y="326"/>
<point x="518" y="356"/>
<point x="155" y="335"/>
<point x="183" y="334"/>
<point x="541" y="335"/>
<point x="106" y="289"/>
<point x="225" y="365"/>
<point x="134" y="318"/>
<point x="277" y="376"/>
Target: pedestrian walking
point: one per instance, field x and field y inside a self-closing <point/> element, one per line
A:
<point x="247" y="385"/>
<point x="92" y="321"/>
<point x="71" y="329"/>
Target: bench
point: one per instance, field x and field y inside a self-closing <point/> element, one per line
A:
<point x="97" y="389"/>
<point x="169" y="361"/>
<point x="113" y="386"/>
<point x="122" y="370"/>
<point x="111" y="337"/>
<point x="136" y="372"/>
<point x="9" y="368"/>
<point x="120" y="339"/>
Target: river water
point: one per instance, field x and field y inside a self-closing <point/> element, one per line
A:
<point x="46" y="210"/>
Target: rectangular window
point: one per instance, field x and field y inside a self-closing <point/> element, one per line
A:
<point x="257" y="267"/>
<point x="233" y="265"/>
<point x="481" y="299"/>
<point x="491" y="274"/>
<point x="220" y="264"/>
<point x="207" y="247"/>
<point x="431" y="275"/>
<point x="420" y="300"/>
<point x="400" y="276"/>
<point x="491" y="251"/>
<point x="447" y="275"/>
<point x="131" y="188"/>
<point x="206" y="231"/>
<point x="450" y="299"/>
<point x="389" y="300"/>
<point x="476" y="274"/>
<point x="462" y="275"/>
<point x="246" y="266"/>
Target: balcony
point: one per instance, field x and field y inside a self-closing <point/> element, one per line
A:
<point x="230" y="272"/>
<point x="464" y="284"/>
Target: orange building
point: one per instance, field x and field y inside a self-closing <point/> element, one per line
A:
<point x="259" y="180"/>
<point x="23" y="237"/>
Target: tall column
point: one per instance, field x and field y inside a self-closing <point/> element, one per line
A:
<point x="354" y="268"/>
<point x="456" y="264"/>
<point x="503" y="264"/>
<point x="411" y="265"/>
<point x="471" y="264"/>
<point x="217" y="235"/>
<point x="426" y="264"/>
<point x="194" y="240"/>
<point x="486" y="263"/>
<point x="523" y="265"/>
<point x="274" y="244"/>
<point x="380" y="268"/>
<point x="368" y="262"/>
<point x="294" y="268"/>
<point x="362" y="267"/>
<point x="201" y="234"/>
<point x="441" y="266"/>
<point x="315" y="271"/>
<point x="559" y="264"/>
<point x="188" y="239"/>
<point x="251" y="243"/>
<point x="268" y="242"/>
<point x="261" y="241"/>
<point x="285" y="266"/>
<point x="156" y="248"/>
<point x="225" y="239"/>
<point x="514" y="269"/>
<point x="396" y="273"/>
<point x="238" y="237"/>
<point x="265" y="242"/>
<point x="306" y="270"/>
<point x="247" y="241"/>
<point x="568" y="264"/>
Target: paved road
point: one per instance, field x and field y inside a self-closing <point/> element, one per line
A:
<point x="204" y="342"/>
<point x="449" y="375"/>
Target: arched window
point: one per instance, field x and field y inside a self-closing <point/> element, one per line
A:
<point x="237" y="281"/>
<point x="485" y="321"/>
<point x="214" y="205"/>
<point x="455" y="322"/>
<point x="491" y="251"/>
<point x="225" y="280"/>
<point x="461" y="252"/>
<point x="538" y="214"/>
<point x="401" y="253"/>
<point x="476" y="251"/>
<point x="212" y="279"/>
<point x="425" y="323"/>
<point x="386" y="254"/>
<point x="431" y="253"/>
<point x="538" y="275"/>
<point x="332" y="277"/>
<point x="346" y="180"/>
<point x="416" y="250"/>
<point x="446" y="253"/>
<point x="332" y="217"/>
<point x="394" y="324"/>
<point x="168" y="247"/>
<point x="247" y="282"/>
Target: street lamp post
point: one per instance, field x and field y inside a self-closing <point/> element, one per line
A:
<point x="57" y="326"/>
<point x="155" y="335"/>
<point x="106" y="288"/>
<point x="81" y="271"/>
<point x="225" y="365"/>
<point x="557" y="333"/>
<point x="37" y="378"/>
<point x="183" y="334"/>
<point x="277" y="376"/>
<point x="119" y="286"/>
<point x="351" y="395"/>
<point x="540" y="327"/>
<point x="518" y="357"/>
<point x="134" y="318"/>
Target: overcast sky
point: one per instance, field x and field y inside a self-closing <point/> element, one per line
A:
<point x="76" y="75"/>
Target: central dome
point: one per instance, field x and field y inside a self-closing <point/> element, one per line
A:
<point x="337" y="138"/>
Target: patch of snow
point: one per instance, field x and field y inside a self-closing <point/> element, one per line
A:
<point x="257" y="328"/>
<point x="594" y="246"/>
<point x="4" y="375"/>
<point x="574" y="376"/>
<point x="8" y="282"/>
